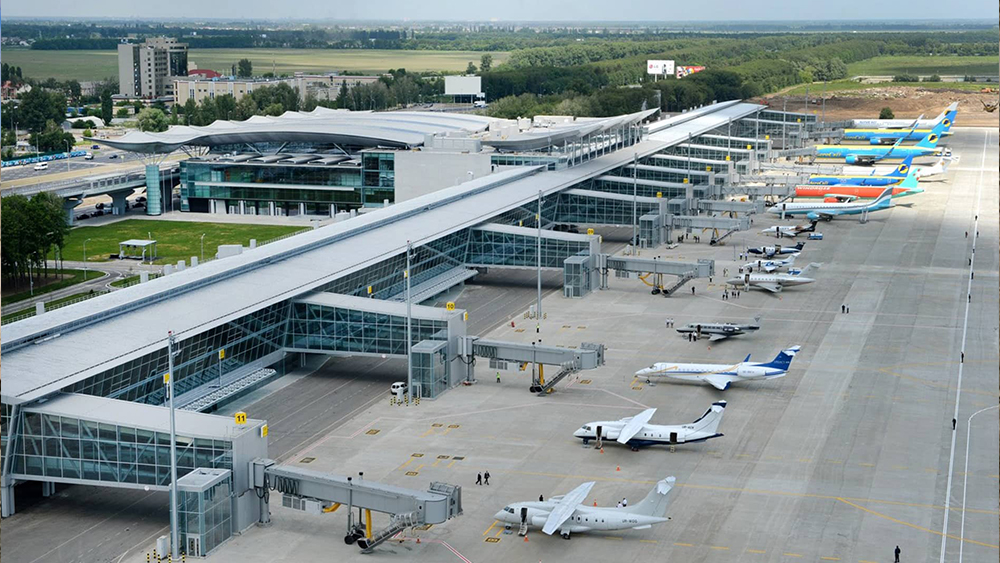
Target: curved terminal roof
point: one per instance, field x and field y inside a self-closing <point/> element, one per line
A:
<point x="322" y="125"/>
<point x="540" y="138"/>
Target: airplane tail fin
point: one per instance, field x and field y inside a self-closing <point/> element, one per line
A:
<point x="808" y="269"/>
<point x="756" y="318"/>
<point x="931" y="140"/>
<point x="885" y="198"/>
<point x="800" y="245"/>
<point x="655" y="503"/>
<point x="709" y="422"/>
<point x="791" y="259"/>
<point x="910" y="181"/>
<point x="783" y="359"/>
<point x="903" y="169"/>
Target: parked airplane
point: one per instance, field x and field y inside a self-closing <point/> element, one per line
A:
<point x="907" y="123"/>
<point x="909" y="186"/>
<point x="721" y="331"/>
<point x="887" y="136"/>
<point x="636" y="432"/>
<point x="790" y="231"/>
<point x="828" y="210"/>
<point x="568" y="514"/>
<point x="859" y="154"/>
<point x="770" y="251"/>
<point x="939" y="167"/>
<point x="721" y="376"/>
<point x="774" y="282"/>
<point x="768" y="265"/>
<point x="871" y="179"/>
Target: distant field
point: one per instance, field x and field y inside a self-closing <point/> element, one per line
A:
<point x="816" y="90"/>
<point x="906" y="64"/>
<point x="96" y="65"/>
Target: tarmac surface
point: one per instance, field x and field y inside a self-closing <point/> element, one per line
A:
<point x="849" y="455"/>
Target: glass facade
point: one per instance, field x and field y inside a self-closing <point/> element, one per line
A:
<point x="550" y="162"/>
<point x="430" y="368"/>
<point x="336" y="329"/>
<point x="641" y="189"/>
<point x="245" y="340"/>
<point x="205" y="517"/>
<point x="586" y="209"/>
<point x="493" y="248"/>
<point x="69" y="448"/>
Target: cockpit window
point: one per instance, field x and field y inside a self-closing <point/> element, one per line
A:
<point x="586" y="428"/>
<point x="508" y="509"/>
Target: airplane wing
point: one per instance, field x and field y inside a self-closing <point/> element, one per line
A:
<point x="633" y="426"/>
<point x="720" y="382"/>
<point x="717" y="336"/>
<point x="816" y="215"/>
<point x="566" y="507"/>
<point x="772" y="287"/>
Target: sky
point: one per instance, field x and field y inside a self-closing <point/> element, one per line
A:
<point x="506" y="10"/>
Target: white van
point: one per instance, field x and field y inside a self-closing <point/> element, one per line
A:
<point x="398" y="389"/>
<point x="42" y="166"/>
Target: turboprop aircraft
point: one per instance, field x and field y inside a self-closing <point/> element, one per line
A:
<point x="777" y="249"/>
<point x="721" y="376"/>
<point x="568" y="515"/>
<point x="769" y="265"/>
<point x="789" y="231"/>
<point x="636" y="432"/>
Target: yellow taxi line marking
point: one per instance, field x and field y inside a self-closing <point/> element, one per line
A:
<point x="792" y="554"/>
<point x="499" y="531"/>
<point x="406" y="463"/>
<point x="684" y="544"/>
<point x="914" y="526"/>
<point x="649" y="541"/>
<point x="756" y="551"/>
<point x="495" y="522"/>
<point x="425" y="434"/>
<point x="830" y="558"/>
<point x="453" y="462"/>
<point x="720" y="547"/>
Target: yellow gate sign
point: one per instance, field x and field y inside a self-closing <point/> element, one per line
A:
<point x="450" y="306"/>
<point x="222" y="354"/>
<point x="240" y="417"/>
<point x="590" y="231"/>
<point x="263" y="431"/>
<point x="166" y="378"/>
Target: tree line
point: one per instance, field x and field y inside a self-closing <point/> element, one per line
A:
<point x="31" y="229"/>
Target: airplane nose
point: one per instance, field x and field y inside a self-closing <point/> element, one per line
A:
<point x="500" y="516"/>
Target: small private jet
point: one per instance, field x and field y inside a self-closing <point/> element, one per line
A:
<point x="721" y="376"/>
<point x="721" y="331"/>
<point x="777" y="249"/>
<point x="774" y="282"/>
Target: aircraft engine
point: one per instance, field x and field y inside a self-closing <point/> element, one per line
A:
<point x="851" y="159"/>
<point x="749" y="371"/>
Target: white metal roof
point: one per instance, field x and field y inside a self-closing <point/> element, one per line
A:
<point x="48" y="352"/>
<point x="394" y="128"/>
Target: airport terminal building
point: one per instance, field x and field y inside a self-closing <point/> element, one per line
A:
<point x="452" y="195"/>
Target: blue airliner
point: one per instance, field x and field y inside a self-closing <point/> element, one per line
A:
<point x="890" y="179"/>
<point x="860" y="154"/>
<point x="890" y="136"/>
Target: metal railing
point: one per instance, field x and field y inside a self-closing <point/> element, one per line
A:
<point x="30" y="312"/>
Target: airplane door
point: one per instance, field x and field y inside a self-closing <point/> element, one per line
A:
<point x="524" y="514"/>
<point x="600" y="433"/>
<point x="673" y="437"/>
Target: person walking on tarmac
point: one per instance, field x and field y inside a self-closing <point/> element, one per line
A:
<point x="479" y="478"/>
<point x="896" y="553"/>
<point x="498" y="377"/>
<point x="486" y="477"/>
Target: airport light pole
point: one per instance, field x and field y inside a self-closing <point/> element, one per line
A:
<point x="203" y="247"/>
<point x="538" y="250"/>
<point x="85" y="259"/>
<point x="635" y="201"/>
<point x="409" y="329"/>
<point x="174" y="532"/>
<point x="69" y="149"/>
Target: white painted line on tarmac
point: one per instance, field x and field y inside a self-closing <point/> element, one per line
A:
<point x="965" y="330"/>
<point x="965" y="487"/>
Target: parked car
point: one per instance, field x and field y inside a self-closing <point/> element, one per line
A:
<point x="99" y="206"/>
<point x="815" y="236"/>
<point x="112" y="157"/>
<point x="82" y="216"/>
<point x="42" y="166"/>
<point x="95" y="147"/>
<point x="398" y="389"/>
<point x="88" y="156"/>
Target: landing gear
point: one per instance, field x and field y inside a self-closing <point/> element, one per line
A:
<point x="565" y="535"/>
<point x="350" y="539"/>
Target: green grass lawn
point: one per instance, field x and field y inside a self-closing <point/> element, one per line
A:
<point x="176" y="240"/>
<point x="30" y="311"/>
<point x="816" y="90"/>
<point x="97" y="65"/>
<point x="925" y="65"/>
<point x="23" y="291"/>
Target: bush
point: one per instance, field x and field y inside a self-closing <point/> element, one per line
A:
<point x="968" y="78"/>
<point x="88" y="133"/>
<point x="905" y="78"/>
<point x="933" y="78"/>
<point x="886" y="113"/>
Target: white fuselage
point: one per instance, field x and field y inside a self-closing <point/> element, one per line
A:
<point x="651" y="434"/>
<point x="696" y="372"/>
<point x="717" y="328"/>
<point x="584" y="518"/>
<point x="819" y="207"/>
<point x="779" y="278"/>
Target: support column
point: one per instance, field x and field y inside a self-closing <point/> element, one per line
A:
<point x="119" y="201"/>
<point x="6" y="483"/>
<point x="69" y="204"/>
<point x="154" y="193"/>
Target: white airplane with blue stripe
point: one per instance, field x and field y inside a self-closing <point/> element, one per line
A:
<point x="721" y="376"/>
<point x="636" y="432"/>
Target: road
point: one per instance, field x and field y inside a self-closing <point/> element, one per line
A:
<point x="103" y="163"/>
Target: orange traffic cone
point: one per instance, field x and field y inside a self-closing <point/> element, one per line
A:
<point x="418" y="540"/>
<point x="526" y="537"/>
<point x="595" y="502"/>
<point x="618" y="468"/>
<point x="602" y="450"/>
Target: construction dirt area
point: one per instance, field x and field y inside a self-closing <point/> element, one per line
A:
<point x="905" y="101"/>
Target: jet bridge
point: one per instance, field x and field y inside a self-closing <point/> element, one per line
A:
<point x="500" y="353"/>
<point x="624" y="266"/>
<point x="318" y="493"/>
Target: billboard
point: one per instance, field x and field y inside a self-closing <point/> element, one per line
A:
<point x="462" y="85"/>
<point x="659" y="67"/>
<point x="683" y="71"/>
